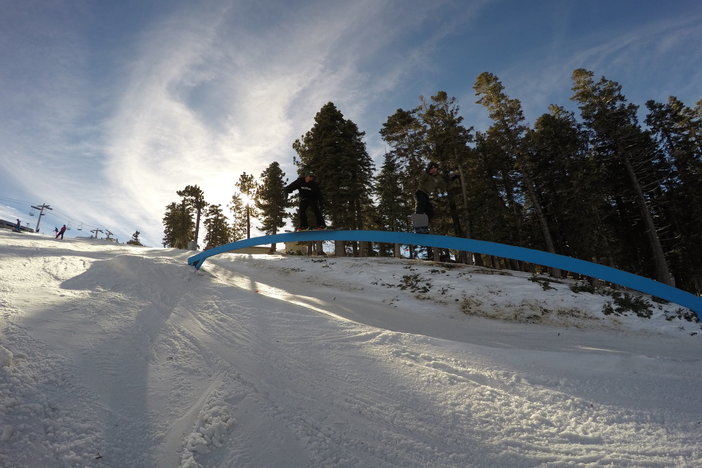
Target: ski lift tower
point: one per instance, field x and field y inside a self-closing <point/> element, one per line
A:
<point x="41" y="209"/>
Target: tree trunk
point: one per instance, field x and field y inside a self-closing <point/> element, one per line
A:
<point x="339" y="249"/>
<point x="197" y="227"/>
<point x="662" y="272"/>
<point x="465" y="257"/>
<point x="248" y="222"/>
<point x="364" y="248"/>
<point x="545" y="231"/>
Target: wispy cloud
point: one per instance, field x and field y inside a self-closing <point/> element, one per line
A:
<point x="199" y="94"/>
<point x="648" y="61"/>
<point x="42" y="89"/>
<point x="49" y="139"/>
<point x="210" y="96"/>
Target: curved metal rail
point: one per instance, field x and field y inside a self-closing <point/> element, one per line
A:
<point x="538" y="257"/>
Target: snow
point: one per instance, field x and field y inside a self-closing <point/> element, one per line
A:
<point x="114" y="356"/>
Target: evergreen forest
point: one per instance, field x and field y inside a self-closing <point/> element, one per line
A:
<point x="600" y="184"/>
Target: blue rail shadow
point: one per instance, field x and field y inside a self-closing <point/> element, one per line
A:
<point x="537" y="257"/>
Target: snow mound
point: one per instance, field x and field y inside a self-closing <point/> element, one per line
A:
<point x="114" y="356"/>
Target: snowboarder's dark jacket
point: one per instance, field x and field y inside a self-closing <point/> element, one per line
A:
<point x="307" y="190"/>
<point x="432" y="183"/>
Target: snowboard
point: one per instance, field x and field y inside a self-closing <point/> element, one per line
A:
<point x="420" y="222"/>
<point x="328" y="228"/>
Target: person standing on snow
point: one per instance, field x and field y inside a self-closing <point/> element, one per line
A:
<point x="310" y="198"/>
<point x="61" y="232"/>
<point x="18" y="226"/>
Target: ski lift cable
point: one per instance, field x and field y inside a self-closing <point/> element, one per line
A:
<point x="15" y="200"/>
<point x="54" y="213"/>
<point x="70" y="220"/>
<point x="31" y="211"/>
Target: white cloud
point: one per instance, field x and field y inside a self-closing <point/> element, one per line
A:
<point x="648" y="61"/>
<point x="208" y="93"/>
<point x="209" y="97"/>
<point x="49" y="147"/>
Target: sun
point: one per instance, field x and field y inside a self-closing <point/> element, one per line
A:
<point x="246" y="199"/>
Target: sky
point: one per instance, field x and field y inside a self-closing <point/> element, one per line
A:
<point x="114" y="356"/>
<point x="109" y="108"/>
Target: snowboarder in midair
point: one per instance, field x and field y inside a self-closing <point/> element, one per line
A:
<point x="310" y="198"/>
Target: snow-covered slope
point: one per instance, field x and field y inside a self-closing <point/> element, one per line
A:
<point x="119" y="356"/>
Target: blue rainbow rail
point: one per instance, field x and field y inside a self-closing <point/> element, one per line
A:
<point x="537" y="257"/>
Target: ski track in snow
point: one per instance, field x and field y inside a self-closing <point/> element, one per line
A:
<point x="116" y="356"/>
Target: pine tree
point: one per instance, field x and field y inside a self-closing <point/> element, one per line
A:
<point x="218" y="231"/>
<point x="490" y="175"/>
<point x="404" y="133"/>
<point x="569" y="188"/>
<point x="446" y="141"/>
<point x="334" y="150"/>
<point x="628" y="152"/>
<point x="247" y="192"/>
<point x="271" y="201"/>
<point x="677" y="130"/>
<point x="508" y="130"/>
<point x="178" y="225"/>
<point x="392" y="204"/>
<point x="391" y="210"/>
<point x="239" y="220"/>
<point x="195" y="198"/>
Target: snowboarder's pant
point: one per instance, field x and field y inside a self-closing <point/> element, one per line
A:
<point x="424" y="205"/>
<point x="306" y="204"/>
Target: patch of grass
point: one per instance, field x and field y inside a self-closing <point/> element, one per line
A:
<point x="545" y="283"/>
<point x="624" y="303"/>
<point x="414" y="284"/>
<point x="584" y="286"/>
<point x="470" y="305"/>
<point x="682" y="314"/>
<point x="291" y="270"/>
